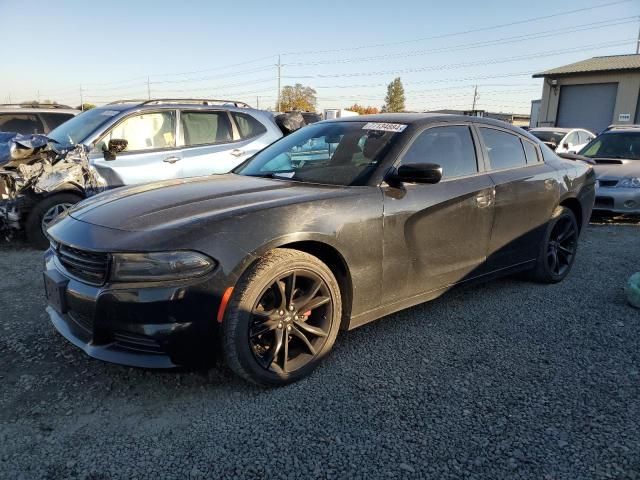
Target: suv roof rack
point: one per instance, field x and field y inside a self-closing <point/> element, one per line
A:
<point x="622" y="126"/>
<point x="196" y="101"/>
<point x="36" y="105"/>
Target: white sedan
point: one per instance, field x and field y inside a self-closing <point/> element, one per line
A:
<point x="563" y="140"/>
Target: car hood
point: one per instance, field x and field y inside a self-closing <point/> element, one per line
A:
<point x="628" y="168"/>
<point x="179" y="203"/>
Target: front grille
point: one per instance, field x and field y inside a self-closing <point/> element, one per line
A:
<point x="607" y="183"/>
<point x="89" y="266"/>
<point x="604" y="202"/>
<point x="137" y="343"/>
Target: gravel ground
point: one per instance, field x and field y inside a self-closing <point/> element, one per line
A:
<point x="504" y="380"/>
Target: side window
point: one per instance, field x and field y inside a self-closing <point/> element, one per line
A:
<point x="24" y="123"/>
<point x="204" y="128"/>
<point x="572" y="139"/>
<point x="53" y="120"/>
<point x="584" y="137"/>
<point x="147" y="131"/>
<point x="530" y="152"/>
<point x="248" y="126"/>
<point x="450" y="147"/>
<point x="504" y="149"/>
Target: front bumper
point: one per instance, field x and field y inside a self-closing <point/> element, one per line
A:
<point x="618" y="200"/>
<point x="159" y="325"/>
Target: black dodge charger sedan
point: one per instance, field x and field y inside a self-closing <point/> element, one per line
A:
<point x="331" y="227"/>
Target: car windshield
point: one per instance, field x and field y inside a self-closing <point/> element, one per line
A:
<point x="80" y="127"/>
<point x="624" y="145"/>
<point x="335" y="153"/>
<point x="548" y="135"/>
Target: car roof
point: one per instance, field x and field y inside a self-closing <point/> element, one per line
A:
<point x="623" y="128"/>
<point x="19" y="109"/>
<point x="553" y="129"/>
<point x="131" y="105"/>
<point x="427" y="118"/>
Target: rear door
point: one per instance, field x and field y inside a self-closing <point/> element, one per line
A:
<point x="151" y="152"/>
<point x="210" y="144"/>
<point x="437" y="235"/>
<point x="525" y="196"/>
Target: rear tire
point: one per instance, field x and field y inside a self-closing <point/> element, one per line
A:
<point x="34" y="226"/>
<point x="283" y="318"/>
<point x="558" y="248"/>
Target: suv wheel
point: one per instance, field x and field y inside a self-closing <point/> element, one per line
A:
<point x="44" y="213"/>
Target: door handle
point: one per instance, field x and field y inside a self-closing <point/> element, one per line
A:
<point x="237" y="152"/>
<point x="172" y="159"/>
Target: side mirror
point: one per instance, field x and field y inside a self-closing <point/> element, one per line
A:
<point x="116" y="145"/>
<point x="417" y="173"/>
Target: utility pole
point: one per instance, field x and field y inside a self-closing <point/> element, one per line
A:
<point x="257" y="102"/>
<point x="38" y="97"/>
<point x="148" y="89"/>
<point x="475" y="97"/>
<point x="81" y="101"/>
<point x="638" y="42"/>
<point x="279" y="67"/>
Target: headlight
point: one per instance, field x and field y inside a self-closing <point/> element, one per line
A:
<point x="629" y="182"/>
<point x="154" y="266"/>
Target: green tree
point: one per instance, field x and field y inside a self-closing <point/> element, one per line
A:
<point x="297" y="97"/>
<point x="85" y="106"/>
<point x="394" y="101"/>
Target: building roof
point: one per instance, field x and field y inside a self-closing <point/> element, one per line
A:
<point x="596" y="64"/>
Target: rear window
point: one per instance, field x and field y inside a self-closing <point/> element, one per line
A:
<point x="203" y="128"/>
<point x="504" y="149"/>
<point x="24" y="123"/>
<point x="530" y="152"/>
<point x="248" y="127"/>
<point x="53" y="120"/>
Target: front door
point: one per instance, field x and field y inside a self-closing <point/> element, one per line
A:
<point x="437" y="235"/>
<point x="151" y="152"/>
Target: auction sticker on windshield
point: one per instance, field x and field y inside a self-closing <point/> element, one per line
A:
<point x="385" y="127"/>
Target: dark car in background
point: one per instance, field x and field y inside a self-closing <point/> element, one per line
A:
<point x="28" y="118"/>
<point x="616" y="152"/>
<point x="265" y="265"/>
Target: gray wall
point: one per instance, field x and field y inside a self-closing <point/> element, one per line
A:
<point x="626" y="97"/>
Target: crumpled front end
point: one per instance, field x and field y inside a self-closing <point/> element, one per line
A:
<point x="32" y="167"/>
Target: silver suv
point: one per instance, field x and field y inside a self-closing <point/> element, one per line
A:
<point x="134" y="142"/>
<point x="29" y="118"/>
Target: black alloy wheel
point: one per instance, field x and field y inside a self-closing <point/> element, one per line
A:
<point x="562" y="245"/>
<point x="282" y="319"/>
<point x="558" y="249"/>
<point x="291" y="321"/>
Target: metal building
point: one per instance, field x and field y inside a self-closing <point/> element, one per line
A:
<point x="592" y="94"/>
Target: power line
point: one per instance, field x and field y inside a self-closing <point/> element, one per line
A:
<point x="463" y="32"/>
<point x="466" y="46"/>
<point x="594" y="46"/>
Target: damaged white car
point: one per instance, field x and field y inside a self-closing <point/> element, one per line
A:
<point x="39" y="181"/>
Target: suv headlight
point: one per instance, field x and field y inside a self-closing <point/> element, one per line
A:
<point x="629" y="182"/>
<point x="155" y="266"/>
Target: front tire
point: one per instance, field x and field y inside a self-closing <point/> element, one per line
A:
<point x="283" y="318"/>
<point x="44" y="213"/>
<point x="558" y="249"/>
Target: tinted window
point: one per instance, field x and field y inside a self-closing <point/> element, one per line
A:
<point x="202" y="128"/>
<point x="530" y="152"/>
<point x="505" y="149"/>
<point x="450" y="147"/>
<point x="248" y="126"/>
<point x="548" y="135"/>
<point x="336" y="153"/>
<point x="147" y="131"/>
<point x="20" y="123"/>
<point x="53" y="120"/>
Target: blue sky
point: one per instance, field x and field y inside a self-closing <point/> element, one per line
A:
<point x="347" y="50"/>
